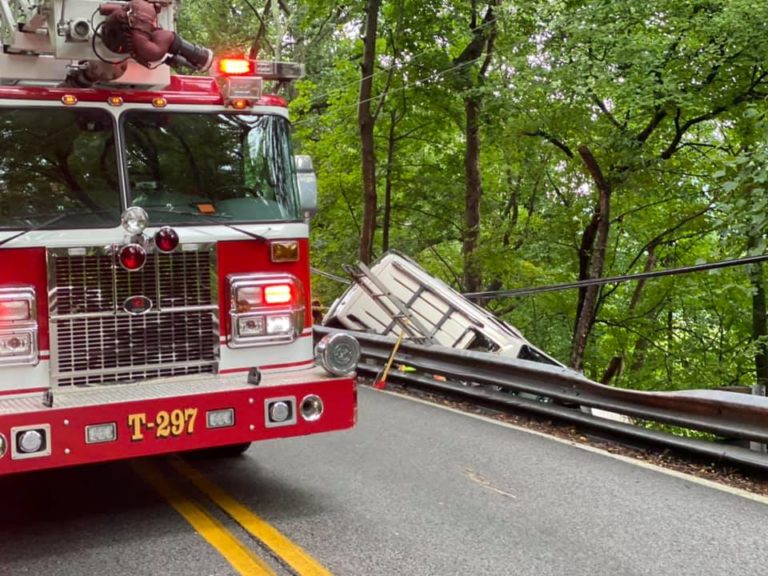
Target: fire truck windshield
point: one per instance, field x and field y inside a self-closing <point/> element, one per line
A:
<point x="57" y="168"/>
<point x="230" y="166"/>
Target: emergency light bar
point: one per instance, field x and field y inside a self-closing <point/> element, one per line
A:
<point x="278" y="71"/>
<point x="236" y="67"/>
<point x="241" y="79"/>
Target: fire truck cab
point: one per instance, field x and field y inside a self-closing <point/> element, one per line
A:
<point x="154" y="257"/>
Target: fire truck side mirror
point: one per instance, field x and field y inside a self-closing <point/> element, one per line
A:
<point x="305" y="174"/>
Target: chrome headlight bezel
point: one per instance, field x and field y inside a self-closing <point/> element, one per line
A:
<point x="26" y="328"/>
<point x="261" y="312"/>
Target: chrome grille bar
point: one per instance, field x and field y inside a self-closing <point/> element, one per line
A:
<point x="95" y="341"/>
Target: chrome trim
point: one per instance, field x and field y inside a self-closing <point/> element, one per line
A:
<point x="15" y="455"/>
<point x="206" y="308"/>
<point x="312" y="398"/>
<point x="291" y="400"/>
<point x="139" y="368"/>
<point x="236" y="281"/>
<point x="141" y="311"/>
<point x="338" y="353"/>
<point x="93" y="338"/>
<point x="29" y="326"/>
<point x="30" y="359"/>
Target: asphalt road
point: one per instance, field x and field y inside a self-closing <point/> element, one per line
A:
<point x="413" y="490"/>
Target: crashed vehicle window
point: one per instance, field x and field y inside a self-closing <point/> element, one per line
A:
<point x="59" y="166"/>
<point x="189" y="167"/>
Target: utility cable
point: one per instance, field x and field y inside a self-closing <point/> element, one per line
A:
<point x="617" y="279"/>
<point x="389" y="68"/>
<point x="417" y="82"/>
<point x="331" y="276"/>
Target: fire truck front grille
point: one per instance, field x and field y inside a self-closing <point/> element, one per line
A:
<point x="95" y="340"/>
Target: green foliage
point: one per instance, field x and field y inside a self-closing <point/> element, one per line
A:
<point x="668" y="95"/>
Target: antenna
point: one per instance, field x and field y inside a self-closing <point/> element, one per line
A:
<point x="278" y="29"/>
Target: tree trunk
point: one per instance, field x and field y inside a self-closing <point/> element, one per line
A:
<point x="759" y="329"/>
<point x="614" y="369"/>
<point x="366" y="123"/>
<point x="482" y="43"/>
<point x="391" y="143"/>
<point x="759" y="324"/>
<point x="588" y="297"/>
<point x="616" y="365"/>
<point x="511" y="211"/>
<point x="472" y="196"/>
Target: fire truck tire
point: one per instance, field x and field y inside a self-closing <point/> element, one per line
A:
<point x="231" y="451"/>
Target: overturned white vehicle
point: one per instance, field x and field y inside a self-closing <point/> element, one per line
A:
<point x="397" y="296"/>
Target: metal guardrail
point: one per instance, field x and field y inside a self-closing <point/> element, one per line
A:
<point x="729" y="415"/>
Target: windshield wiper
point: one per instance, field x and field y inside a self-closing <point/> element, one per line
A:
<point x="208" y="218"/>
<point x="53" y="220"/>
<point x="33" y="228"/>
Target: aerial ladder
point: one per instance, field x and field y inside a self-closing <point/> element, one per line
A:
<point x="79" y="43"/>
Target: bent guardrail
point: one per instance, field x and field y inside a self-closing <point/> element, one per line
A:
<point x="729" y="415"/>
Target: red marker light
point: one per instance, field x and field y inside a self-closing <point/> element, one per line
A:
<point x="132" y="257"/>
<point x="236" y="67"/>
<point x="166" y="240"/>
<point x="278" y="294"/>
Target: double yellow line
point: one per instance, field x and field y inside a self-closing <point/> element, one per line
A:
<point x="240" y="557"/>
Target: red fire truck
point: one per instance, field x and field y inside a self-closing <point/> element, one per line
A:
<point x="154" y="257"/>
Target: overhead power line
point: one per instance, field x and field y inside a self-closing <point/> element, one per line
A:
<point x="617" y="279"/>
<point x="338" y="279"/>
<point x="418" y="82"/>
<point x="386" y="70"/>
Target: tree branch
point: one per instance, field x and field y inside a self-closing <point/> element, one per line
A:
<point x="607" y="113"/>
<point x="657" y="119"/>
<point x="552" y="140"/>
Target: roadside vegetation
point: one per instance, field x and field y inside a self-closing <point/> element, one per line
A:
<point x="514" y="144"/>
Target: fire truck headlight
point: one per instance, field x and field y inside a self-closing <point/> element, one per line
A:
<point x="134" y="220"/>
<point x="282" y="324"/>
<point x="3" y="446"/>
<point x="18" y="326"/>
<point x="12" y="345"/>
<point x="265" y="309"/>
<point x="250" y="326"/>
<point x="338" y="354"/>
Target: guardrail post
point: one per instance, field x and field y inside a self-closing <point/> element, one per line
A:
<point x="758" y="390"/>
